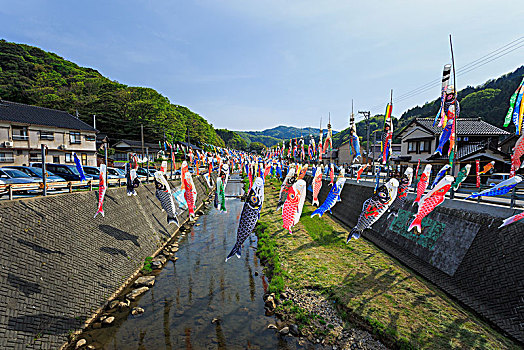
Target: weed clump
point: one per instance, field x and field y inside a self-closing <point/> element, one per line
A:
<point x="147" y="265"/>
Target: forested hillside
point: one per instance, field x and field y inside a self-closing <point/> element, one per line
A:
<point x="33" y="76"/>
<point x="232" y="139"/>
<point x="489" y="101"/>
<point x="270" y="137"/>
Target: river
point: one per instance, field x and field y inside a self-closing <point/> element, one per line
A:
<point x="200" y="287"/>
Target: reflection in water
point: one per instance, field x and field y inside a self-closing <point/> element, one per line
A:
<point x="264" y="283"/>
<point x="141" y="345"/>
<point x="251" y="279"/>
<point x="221" y="339"/>
<point x="187" y="296"/>
<point x="188" y="338"/>
<point x="211" y="290"/>
<point x="167" y="331"/>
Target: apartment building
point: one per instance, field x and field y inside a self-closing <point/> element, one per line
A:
<point x="24" y="128"/>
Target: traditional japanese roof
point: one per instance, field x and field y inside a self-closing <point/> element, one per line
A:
<point x="136" y="144"/>
<point x="467" y="150"/>
<point x="465" y="126"/>
<point x="188" y="145"/>
<point x="33" y="115"/>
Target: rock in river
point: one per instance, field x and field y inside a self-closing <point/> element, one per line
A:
<point x="145" y="281"/>
<point x="137" y="292"/>
<point x="80" y="343"/>
<point x="294" y="330"/>
<point x="109" y="320"/>
<point x="137" y="311"/>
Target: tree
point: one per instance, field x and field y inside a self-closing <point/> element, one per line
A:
<point x="257" y="147"/>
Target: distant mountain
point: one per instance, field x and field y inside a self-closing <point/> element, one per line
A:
<point x="271" y="137"/>
<point x="489" y="101"/>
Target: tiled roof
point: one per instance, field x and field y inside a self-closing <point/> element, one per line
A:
<point x="134" y="143"/>
<point x="189" y="145"/>
<point x="465" y="126"/>
<point x="27" y="114"/>
<point x="465" y="150"/>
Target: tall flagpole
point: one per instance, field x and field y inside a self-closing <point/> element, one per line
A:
<point x="452" y="194"/>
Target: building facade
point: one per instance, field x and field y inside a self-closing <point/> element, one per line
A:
<point x="344" y="156"/>
<point x="476" y="139"/>
<point x="24" y="128"/>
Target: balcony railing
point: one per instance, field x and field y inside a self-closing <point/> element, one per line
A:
<point x="20" y="137"/>
<point x="7" y="159"/>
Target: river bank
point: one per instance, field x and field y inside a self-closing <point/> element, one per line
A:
<point x="367" y="287"/>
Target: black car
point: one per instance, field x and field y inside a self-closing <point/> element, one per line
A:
<point x="68" y="172"/>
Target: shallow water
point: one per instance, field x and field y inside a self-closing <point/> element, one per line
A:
<point x="199" y="287"/>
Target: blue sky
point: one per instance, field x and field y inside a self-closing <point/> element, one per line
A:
<point x="250" y="65"/>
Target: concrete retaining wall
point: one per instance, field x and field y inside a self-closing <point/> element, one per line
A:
<point x="58" y="265"/>
<point x="460" y="249"/>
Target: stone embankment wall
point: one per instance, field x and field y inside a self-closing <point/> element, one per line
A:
<point x="59" y="265"/>
<point x="461" y="250"/>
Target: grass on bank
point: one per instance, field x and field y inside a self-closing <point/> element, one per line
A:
<point x="370" y="287"/>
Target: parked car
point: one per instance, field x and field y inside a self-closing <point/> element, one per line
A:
<point x="95" y="173"/>
<point x="191" y="170"/>
<point x="13" y="176"/>
<point x="68" y="172"/>
<point x="7" y="173"/>
<point x="92" y="171"/>
<point x="121" y="171"/>
<point x="144" y="172"/>
<point x="37" y="173"/>
<point x="113" y="173"/>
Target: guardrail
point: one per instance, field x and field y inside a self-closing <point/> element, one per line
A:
<point x="513" y="199"/>
<point x="12" y="189"/>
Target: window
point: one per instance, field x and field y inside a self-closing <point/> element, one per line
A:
<point x="412" y="146"/>
<point x="69" y="158"/>
<point x="120" y="156"/>
<point x="47" y="135"/>
<point x="424" y="146"/>
<point x="84" y="158"/>
<point x="35" y="157"/>
<point x="56" y="159"/>
<point x="20" y="133"/>
<point x="6" y="157"/>
<point x="90" y="138"/>
<point x="74" y="137"/>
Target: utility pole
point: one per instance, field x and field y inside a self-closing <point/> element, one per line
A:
<point x="147" y="169"/>
<point x="94" y="121"/>
<point x="367" y="115"/>
<point x="44" y="173"/>
<point x="374" y="142"/>
<point x="142" y="138"/>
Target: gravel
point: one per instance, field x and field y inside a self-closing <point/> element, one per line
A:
<point x="344" y="336"/>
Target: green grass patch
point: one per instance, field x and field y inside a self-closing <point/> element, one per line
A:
<point x="268" y="254"/>
<point x="369" y="287"/>
<point x="245" y="179"/>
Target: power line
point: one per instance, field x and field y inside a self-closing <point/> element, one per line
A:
<point x="471" y="66"/>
